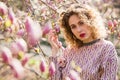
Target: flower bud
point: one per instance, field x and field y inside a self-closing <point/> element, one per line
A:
<point x="74" y="75"/>
<point x="14" y="49"/>
<point x="22" y="45"/>
<point x="6" y="54"/>
<point x="3" y="8"/>
<point x="110" y="24"/>
<point x="21" y="32"/>
<point x="47" y="28"/>
<point x="25" y="60"/>
<point x="33" y="31"/>
<point x="115" y="22"/>
<point x="52" y="69"/>
<point x="19" y="46"/>
<point x="57" y="29"/>
<point x="42" y="66"/>
<point x="17" y="68"/>
<point x="11" y="15"/>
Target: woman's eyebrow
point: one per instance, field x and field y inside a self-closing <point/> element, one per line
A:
<point x="80" y="22"/>
<point x="71" y="25"/>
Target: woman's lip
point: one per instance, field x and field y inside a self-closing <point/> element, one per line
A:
<point x="82" y="35"/>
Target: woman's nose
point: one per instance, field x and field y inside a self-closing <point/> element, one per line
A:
<point x="79" y="29"/>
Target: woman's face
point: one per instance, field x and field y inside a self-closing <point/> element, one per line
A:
<point x="79" y="29"/>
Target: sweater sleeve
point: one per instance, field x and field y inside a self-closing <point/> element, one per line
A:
<point x="109" y="63"/>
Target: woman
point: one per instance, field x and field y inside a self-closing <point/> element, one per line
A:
<point x="87" y="52"/>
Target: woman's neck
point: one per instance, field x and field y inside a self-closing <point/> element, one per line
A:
<point x="91" y="42"/>
<point x="88" y="40"/>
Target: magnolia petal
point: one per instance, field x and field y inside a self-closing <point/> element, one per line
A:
<point x="17" y="68"/>
<point x="6" y="54"/>
<point x="52" y="69"/>
<point x="42" y="66"/>
<point x="3" y="8"/>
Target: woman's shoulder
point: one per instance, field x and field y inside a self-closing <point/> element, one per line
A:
<point x="108" y="45"/>
<point x="106" y="42"/>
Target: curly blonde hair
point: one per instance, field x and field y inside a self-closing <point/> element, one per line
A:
<point x="89" y="16"/>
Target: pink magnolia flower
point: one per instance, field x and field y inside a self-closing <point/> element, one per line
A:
<point x="115" y="22"/>
<point x="11" y="15"/>
<point x="47" y="28"/>
<point x="17" y="68"/>
<point x="42" y="66"/>
<point x="33" y="31"/>
<point x="24" y="60"/>
<point x="14" y="49"/>
<point x="52" y="69"/>
<point x="21" y="32"/>
<point x="110" y="24"/>
<point x="22" y="45"/>
<point x="19" y="45"/>
<point x="3" y="8"/>
<point x="6" y="54"/>
<point x="57" y="28"/>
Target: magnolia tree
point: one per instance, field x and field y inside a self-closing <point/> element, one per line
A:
<point x="17" y="39"/>
<point x="21" y="37"/>
<point x="24" y="28"/>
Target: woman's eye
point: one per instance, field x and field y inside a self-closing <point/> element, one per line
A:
<point x="73" y="26"/>
<point x="81" y="23"/>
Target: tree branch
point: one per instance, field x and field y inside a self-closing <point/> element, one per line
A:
<point x="41" y="49"/>
<point x="76" y="1"/>
<point x="49" y="6"/>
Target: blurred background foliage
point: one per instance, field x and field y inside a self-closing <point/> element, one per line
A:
<point x="44" y="11"/>
<point x="48" y="10"/>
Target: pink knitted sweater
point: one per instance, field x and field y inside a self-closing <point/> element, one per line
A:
<point x="97" y="61"/>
